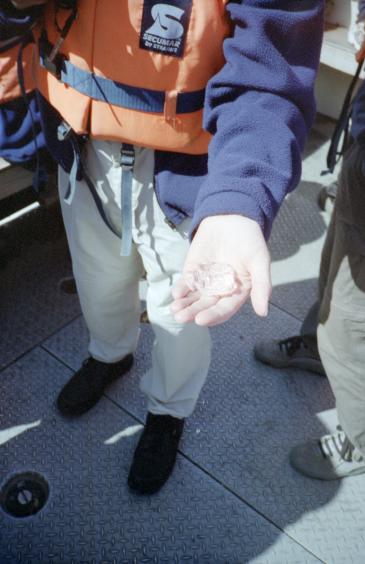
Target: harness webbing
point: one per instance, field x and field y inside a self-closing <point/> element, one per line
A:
<point x="123" y="95"/>
<point x="65" y="132"/>
<point x="342" y="125"/>
<point x="127" y="164"/>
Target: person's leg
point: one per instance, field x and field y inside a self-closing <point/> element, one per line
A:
<point x="341" y="341"/>
<point x="308" y="330"/>
<point x="301" y="351"/>
<point x="181" y="352"/>
<point x="341" y="334"/>
<point x="107" y="283"/>
<point x="309" y="326"/>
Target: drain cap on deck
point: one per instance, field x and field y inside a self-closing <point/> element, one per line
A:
<point x="24" y="494"/>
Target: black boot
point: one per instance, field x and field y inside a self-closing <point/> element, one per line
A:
<point x="155" y="455"/>
<point x="87" y="385"/>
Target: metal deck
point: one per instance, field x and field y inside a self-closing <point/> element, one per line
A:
<point x="233" y="497"/>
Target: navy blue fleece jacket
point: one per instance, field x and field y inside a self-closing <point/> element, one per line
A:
<point x="259" y="108"/>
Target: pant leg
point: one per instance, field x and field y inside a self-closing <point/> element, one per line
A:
<point x="341" y="331"/>
<point x="181" y="352"/>
<point x="309" y="326"/>
<point x="310" y="323"/>
<point x="107" y="283"/>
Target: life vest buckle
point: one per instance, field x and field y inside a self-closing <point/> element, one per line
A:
<point x="127" y="156"/>
<point x="54" y="66"/>
<point x="50" y="58"/>
<point x="64" y="131"/>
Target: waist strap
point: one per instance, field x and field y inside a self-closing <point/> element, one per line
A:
<point x="123" y="95"/>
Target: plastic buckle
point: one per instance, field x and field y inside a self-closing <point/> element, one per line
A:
<point x="51" y="62"/>
<point x="54" y="66"/>
<point x="127" y="157"/>
<point x="64" y="131"/>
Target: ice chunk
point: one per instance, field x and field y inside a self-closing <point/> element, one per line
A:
<point x="212" y="279"/>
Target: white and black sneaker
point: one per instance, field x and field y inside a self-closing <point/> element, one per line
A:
<point x="331" y="457"/>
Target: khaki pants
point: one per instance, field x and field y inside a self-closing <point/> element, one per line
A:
<point x="341" y="329"/>
<point x="107" y="283"/>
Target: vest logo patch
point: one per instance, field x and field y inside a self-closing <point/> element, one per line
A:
<point x="164" y="26"/>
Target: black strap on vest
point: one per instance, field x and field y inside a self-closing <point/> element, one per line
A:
<point x="52" y="59"/>
<point x="66" y="133"/>
<point x="342" y="125"/>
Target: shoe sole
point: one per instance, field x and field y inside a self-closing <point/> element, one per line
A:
<point x="324" y="478"/>
<point x="141" y="488"/>
<point x="68" y="411"/>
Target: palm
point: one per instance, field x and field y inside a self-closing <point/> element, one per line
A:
<point x="237" y="241"/>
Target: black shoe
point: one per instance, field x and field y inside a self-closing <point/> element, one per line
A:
<point x="87" y="385"/>
<point x="155" y="455"/>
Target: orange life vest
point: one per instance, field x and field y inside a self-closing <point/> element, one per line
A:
<point x="136" y="70"/>
<point x="9" y="81"/>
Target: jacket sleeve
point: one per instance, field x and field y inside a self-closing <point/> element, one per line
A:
<point x="259" y="108"/>
<point x="16" y="24"/>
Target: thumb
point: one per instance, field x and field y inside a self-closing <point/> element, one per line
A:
<point x="261" y="286"/>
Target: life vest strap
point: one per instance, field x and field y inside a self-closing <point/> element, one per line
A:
<point x="127" y="158"/>
<point x="65" y="132"/>
<point x="123" y="95"/>
<point x="98" y="203"/>
<point x="127" y="163"/>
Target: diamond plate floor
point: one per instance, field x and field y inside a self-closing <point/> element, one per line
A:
<point x="233" y="497"/>
<point x="90" y="516"/>
<point x="31" y="306"/>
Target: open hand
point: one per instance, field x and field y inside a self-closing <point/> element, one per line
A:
<point x="234" y="240"/>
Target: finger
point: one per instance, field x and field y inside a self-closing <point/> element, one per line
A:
<point x="183" y="303"/>
<point x="188" y="314"/>
<point x="261" y="287"/>
<point x="180" y="290"/>
<point x="223" y="310"/>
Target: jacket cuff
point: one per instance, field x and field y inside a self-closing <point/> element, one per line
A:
<point x="232" y="203"/>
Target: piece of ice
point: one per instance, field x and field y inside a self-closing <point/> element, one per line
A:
<point x="212" y="279"/>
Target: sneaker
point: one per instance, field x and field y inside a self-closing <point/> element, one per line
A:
<point x="155" y="455"/>
<point x="87" y="385"/>
<point x="329" y="458"/>
<point x="289" y="353"/>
